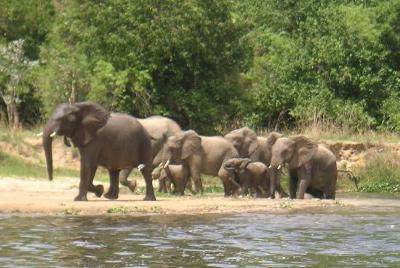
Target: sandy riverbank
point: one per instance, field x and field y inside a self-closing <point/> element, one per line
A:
<point x="19" y="196"/>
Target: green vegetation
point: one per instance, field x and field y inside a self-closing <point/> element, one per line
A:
<point x="328" y="69"/>
<point x="381" y="174"/>
<point x="119" y="210"/>
<point x="12" y="166"/>
<point x="211" y="65"/>
<point x="127" y="210"/>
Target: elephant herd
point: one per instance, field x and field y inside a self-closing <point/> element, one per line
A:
<point x="160" y="149"/>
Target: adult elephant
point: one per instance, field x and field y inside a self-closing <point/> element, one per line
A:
<point x="114" y="141"/>
<point x="249" y="145"/>
<point x="312" y="167"/>
<point x="159" y="128"/>
<point x="201" y="155"/>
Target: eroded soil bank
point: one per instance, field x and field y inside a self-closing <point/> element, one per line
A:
<point x="55" y="198"/>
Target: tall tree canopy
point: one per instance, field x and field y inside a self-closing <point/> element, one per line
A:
<point x="212" y="64"/>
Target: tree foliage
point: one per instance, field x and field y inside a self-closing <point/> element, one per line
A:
<point x="211" y="64"/>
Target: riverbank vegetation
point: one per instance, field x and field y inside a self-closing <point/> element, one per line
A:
<point x="327" y="69"/>
<point x="210" y="65"/>
<point x="22" y="156"/>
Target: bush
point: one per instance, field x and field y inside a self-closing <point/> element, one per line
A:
<point x="381" y="174"/>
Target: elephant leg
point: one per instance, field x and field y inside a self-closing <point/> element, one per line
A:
<point x="224" y="184"/>
<point x="123" y="179"/>
<point x="245" y="187"/>
<point x="146" y="172"/>
<point x="305" y="180"/>
<point x="259" y="191"/>
<point x="330" y="191"/>
<point x="86" y="179"/>
<point x="113" y="191"/>
<point x="228" y="189"/>
<point x="229" y="181"/>
<point x="195" y="171"/>
<point x="189" y="186"/>
<point x="97" y="189"/>
<point x="180" y="184"/>
<point x="293" y="179"/>
<point x="330" y="194"/>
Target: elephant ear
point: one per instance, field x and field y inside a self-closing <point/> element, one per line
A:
<point x="272" y="137"/>
<point x="67" y="142"/>
<point x="93" y="117"/>
<point x="245" y="162"/>
<point x="305" y="149"/>
<point x="191" y="143"/>
<point x="250" y="143"/>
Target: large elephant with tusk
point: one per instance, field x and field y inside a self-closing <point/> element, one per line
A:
<point x="114" y="141"/>
<point x="201" y="155"/>
<point x="312" y="167"/>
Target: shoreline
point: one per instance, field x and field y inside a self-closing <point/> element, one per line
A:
<point x="20" y="197"/>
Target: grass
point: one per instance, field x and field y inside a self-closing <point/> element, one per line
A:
<point x="127" y="210"/>
<point x="12" y="166"/>
<point x="321" y="131"/>
<point x="381" y="174"/>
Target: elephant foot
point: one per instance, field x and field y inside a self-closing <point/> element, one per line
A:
<point x="111" y="195"/>
<point x="80" y="198"/>
<point x="149" y="198"/>
<point x="99" y="189"/>
<point x="283" y="195"/>
<point x="132" y="186"/>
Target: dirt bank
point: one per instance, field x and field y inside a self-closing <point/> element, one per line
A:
<point x="55" y="198"/>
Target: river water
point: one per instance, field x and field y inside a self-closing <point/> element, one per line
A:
<point x="325" y="237"/>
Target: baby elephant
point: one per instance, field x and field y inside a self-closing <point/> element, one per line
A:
<point x="171" y="174"/>
<point x="250" y="175"/>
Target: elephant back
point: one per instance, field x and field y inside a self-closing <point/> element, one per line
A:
<point x="324" y="157"/>
<point x="159" y="125"/>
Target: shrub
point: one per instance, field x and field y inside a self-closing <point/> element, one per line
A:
<point x="381" y="174"/>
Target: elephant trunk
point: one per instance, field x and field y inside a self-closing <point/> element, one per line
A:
<point x="273" y="181"/>
<point x="48" y="134"/>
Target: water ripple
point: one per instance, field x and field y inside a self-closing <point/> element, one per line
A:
<point x="339" y="238"/>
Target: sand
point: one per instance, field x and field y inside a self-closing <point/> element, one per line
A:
<point x="42" y="197"/>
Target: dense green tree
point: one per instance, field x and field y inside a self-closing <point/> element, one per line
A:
<point x="319" y="61"/>
<point x="211" y="64"/>
<point x="171" y="57"/>
<point x="23" y="28"/>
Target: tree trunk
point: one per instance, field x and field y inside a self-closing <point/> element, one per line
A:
<point x="12" y="112"/>
<point x="15" y="115"/>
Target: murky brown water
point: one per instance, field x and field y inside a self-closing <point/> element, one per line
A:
<point x="330" y="237"/>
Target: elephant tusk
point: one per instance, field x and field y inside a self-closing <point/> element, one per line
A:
<point x="270" y="166"/>
<point x="39" y="134"/>
<point x="141" y="166"/>
<point x="160" y="165"/>
<point x="279" y="167"/>
<point x="229" y="168"/>
<point x="166" y="164"/>
<point x="52" y="135"/>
